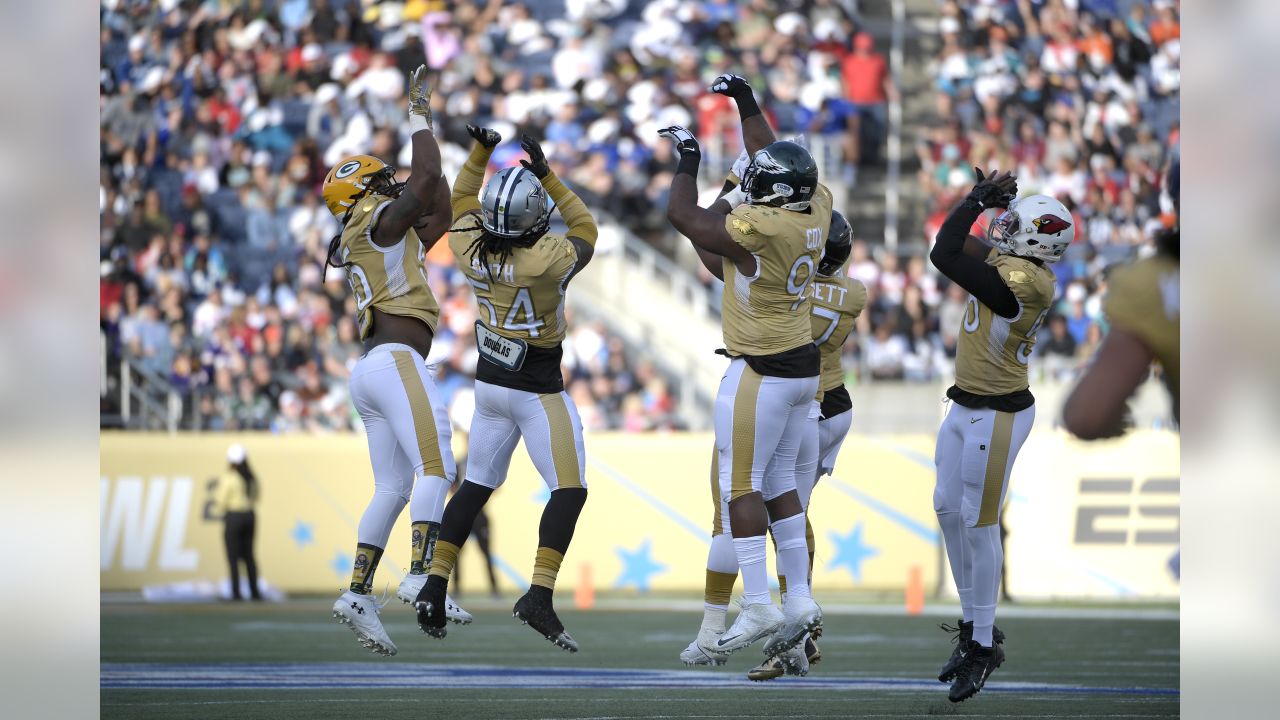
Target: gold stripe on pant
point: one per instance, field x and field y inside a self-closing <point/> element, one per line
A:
<point x="424" y="422"/>
<point x="744" y="431"/>
<point x="564" y="451"/>
<point x="997" y="465"/>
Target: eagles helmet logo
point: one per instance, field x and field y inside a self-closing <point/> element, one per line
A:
<point x="1050" y="224"/>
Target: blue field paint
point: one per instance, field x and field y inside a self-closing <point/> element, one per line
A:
<point x="915" y="527"/>
<point x="367" y="675"/>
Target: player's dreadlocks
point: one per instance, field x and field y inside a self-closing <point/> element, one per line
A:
<point x="487" y="244"/>
<point x="387" y="188"/>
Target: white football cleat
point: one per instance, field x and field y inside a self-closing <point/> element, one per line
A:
<point x="360" y="613"/>
<point x="411" y="585"/>
<point x="695" y="655"/>
<point x="802" y="616"/>
<point x="754" y="621"/>
<point x="794" y="661"/>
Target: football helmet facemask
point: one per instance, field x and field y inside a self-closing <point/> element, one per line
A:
<point x="1036" y="226"/>
<point x="839" y="244"/>
<point x="783" y="175"/>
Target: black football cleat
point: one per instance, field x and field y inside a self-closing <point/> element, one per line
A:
<point x="535" y="610"/>
<point x="430" y="608"/>
<point x="979" y="662"/>
<point x="961" y="639"/>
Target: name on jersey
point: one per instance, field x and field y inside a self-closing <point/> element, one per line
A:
<point x="502" y="351"/>
<point x="505" y="273"/>
<point x="823" y="292"/>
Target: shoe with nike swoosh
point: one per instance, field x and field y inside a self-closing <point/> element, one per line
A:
<point x="754" y="621"/>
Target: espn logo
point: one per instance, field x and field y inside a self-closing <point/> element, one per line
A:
<point x="1111" y="513"/>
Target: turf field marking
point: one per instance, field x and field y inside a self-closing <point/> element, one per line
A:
<point x="315" y="676"/>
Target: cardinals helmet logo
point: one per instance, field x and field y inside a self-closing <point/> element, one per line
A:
<point x="1050" y="224"/>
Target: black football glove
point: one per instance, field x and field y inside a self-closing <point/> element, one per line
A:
<point x="686" y="144"/>
<point x="484" y="136"/>
<point x="731" y="85"/>
<point x="994" y="191"/>
<point x="537" y="162"/>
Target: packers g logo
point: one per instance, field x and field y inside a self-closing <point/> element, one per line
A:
<point x="346" y="168"/>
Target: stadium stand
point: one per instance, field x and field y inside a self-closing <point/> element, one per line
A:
<point x="219" y="120"/>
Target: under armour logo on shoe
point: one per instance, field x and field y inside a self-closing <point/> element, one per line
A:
<point x="357" y="608"/>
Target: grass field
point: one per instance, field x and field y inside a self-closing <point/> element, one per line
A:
<point x="290" y="660"/>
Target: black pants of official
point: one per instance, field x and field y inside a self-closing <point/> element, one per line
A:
<point x="238" y="537"/>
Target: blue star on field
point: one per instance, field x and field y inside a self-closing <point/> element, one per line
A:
<point x="301" y="534"/>
<point x="637" y="566"/>
<point x="851" y="552"/>
<point x="341" y="563"/>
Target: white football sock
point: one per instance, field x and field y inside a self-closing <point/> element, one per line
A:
<point x="751" y="561"/>
<point x="793" y="554"/>
<point x="720" y="559"/>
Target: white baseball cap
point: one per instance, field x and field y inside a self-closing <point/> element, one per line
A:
<point x="236" y="454"/>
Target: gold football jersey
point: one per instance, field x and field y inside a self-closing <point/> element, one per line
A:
<point x="1143" y="299"/>
<point x="524" y="297"/>
<point x="769" y="313"/>
<point x="992" y="353"/>
<point x="836" y="302"/>
<point x="390" y="279"/>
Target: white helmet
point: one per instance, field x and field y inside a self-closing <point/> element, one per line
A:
<point x="513" y="204"/>
<point x="1036" y="226"/>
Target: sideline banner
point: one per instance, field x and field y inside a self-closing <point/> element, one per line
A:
<point x="1094" y="520"/>
<point x="1075" y="531"/>
<point x="646" y="525"/>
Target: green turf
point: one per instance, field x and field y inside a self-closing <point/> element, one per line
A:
<point x="1091" y="653"/>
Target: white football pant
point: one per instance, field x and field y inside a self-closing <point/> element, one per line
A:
<point x="409" y="439"/>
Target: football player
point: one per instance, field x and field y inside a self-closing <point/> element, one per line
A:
<point x="837" y="301"/>
<point x="406" y="424"/>
<point x="519" y="273"/>
<point x="1142" y="306"/>
<point x="1011" y="289"/>
<point x="768" y="248"/>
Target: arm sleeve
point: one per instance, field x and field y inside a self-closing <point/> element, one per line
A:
<point x="981" y="280"/>
<point x="572" y="209"/>
<point x="466" y="188"/>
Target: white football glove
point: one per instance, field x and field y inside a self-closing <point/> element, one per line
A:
<point x="685" y="142"/>
<point x="740" y="165"/>
<point x="731" y="85"/>
<point x="735" y="197"/>
<point x="419" y="101"/>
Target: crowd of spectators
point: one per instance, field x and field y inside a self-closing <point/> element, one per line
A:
<point x="1080" y="99"/>
<point x="219" y="120"/>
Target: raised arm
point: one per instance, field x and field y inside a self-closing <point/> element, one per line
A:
<point x="756" y="133"/>
<point x="1099" y="405"/>
<point x="972" y="273"/>
<point x="466" y="189"/>
<point x="582" y="230"/>
<point x="419" y="192"/>
<point x="704" y="228"/>
<point x="432" y="226"/>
